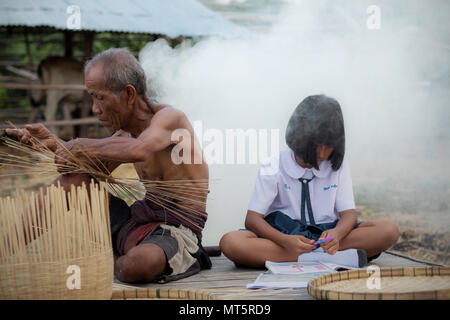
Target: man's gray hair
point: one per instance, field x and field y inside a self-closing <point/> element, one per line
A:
<point x="120" y="68"/>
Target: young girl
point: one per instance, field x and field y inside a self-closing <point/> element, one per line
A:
<point x="308" y="197"/>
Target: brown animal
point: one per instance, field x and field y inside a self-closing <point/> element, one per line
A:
<point x="60" y="70"/>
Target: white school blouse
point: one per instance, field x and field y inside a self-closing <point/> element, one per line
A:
<point x="278" y="188"/>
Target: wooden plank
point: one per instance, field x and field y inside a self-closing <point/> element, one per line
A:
<point x="21" y="86"/>
<point x="13" y="111"/>
<point x="23" y="72"/>
<point x="14" y="79"/>
<point x="56" y="123"/>
<point x="226" y="281"/>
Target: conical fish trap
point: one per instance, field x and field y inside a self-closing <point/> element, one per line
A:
<point x="53" y="248"/>
<point x="422" y="283"/>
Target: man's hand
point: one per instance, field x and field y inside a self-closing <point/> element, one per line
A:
<point x="74" y="153"/>
<point x="298" y="244"/>
<point x="35" y="135"/>
<point x="333" y="245"/>
<point x="64" y="156"/>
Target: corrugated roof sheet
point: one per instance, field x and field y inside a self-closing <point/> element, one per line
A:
<point x="169" y="17"/>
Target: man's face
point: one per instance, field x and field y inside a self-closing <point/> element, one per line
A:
<point x="105" y="104"/>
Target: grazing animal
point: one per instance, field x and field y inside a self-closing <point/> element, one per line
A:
<point x="60" y="70"/>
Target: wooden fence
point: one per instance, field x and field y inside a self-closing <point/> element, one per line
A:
<point x="56" y="123"/>
<point x="23" y="86"/>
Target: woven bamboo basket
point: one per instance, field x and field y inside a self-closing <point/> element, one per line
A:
<point x="51" y="248"/>
<point x="160" y="293"/>
<point x="424" y="283"/>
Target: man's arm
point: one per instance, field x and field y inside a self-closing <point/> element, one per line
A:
<point x="122" y="149"/>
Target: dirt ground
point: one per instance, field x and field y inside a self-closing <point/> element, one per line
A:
<point x="420" y="237"/>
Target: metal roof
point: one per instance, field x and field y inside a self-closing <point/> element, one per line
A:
<point x="169" y="17"/>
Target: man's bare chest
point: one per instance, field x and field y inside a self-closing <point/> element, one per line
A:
<point x="157" y="167"/>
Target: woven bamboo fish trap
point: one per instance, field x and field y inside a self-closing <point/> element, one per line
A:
<point x="161" y="293"/>
<point x="53" y="248"/>
<point x="420" y="283"/>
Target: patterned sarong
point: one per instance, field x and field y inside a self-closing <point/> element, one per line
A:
<point x="142" y="219"/>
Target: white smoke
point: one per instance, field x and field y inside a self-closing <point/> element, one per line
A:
<point x="392" y="84"/>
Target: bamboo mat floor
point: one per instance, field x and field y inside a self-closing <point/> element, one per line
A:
<point x="225" y="281"/>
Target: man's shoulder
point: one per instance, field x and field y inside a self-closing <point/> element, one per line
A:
<point x="165" y="108"/>
<point x="167" y="112"/>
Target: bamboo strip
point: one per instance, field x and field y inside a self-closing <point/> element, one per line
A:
<point x="184" y="196"/>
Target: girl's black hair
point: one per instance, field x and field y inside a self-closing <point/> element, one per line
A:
<point x="317" y="120"/>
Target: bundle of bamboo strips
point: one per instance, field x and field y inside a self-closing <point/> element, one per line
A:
<point x="181" y="197"/>
<point x="56" y="245"/>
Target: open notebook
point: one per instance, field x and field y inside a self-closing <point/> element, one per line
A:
<point x="282" y="275"/>
<point x="348" y="259"/>
<point x="304" y="268"/>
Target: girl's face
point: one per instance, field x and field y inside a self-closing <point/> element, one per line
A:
<point x="322" y="153"/>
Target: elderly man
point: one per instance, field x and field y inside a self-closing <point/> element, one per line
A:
<point x="152" y="240"/>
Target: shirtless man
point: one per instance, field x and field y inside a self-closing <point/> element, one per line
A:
<point x="143" y="134"/>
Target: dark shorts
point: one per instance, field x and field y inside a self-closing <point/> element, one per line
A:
<point x="180" y="262"/>
<point x="287" y="225"/>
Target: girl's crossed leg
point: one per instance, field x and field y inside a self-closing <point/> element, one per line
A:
<point x="373" y="237"/>
<point x="246" y="248"/>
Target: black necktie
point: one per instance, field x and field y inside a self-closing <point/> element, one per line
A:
<point x="306" y="201"/>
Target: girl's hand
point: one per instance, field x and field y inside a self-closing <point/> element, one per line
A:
<point x="298" y="244"/>
<point x="330" y="246"/>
